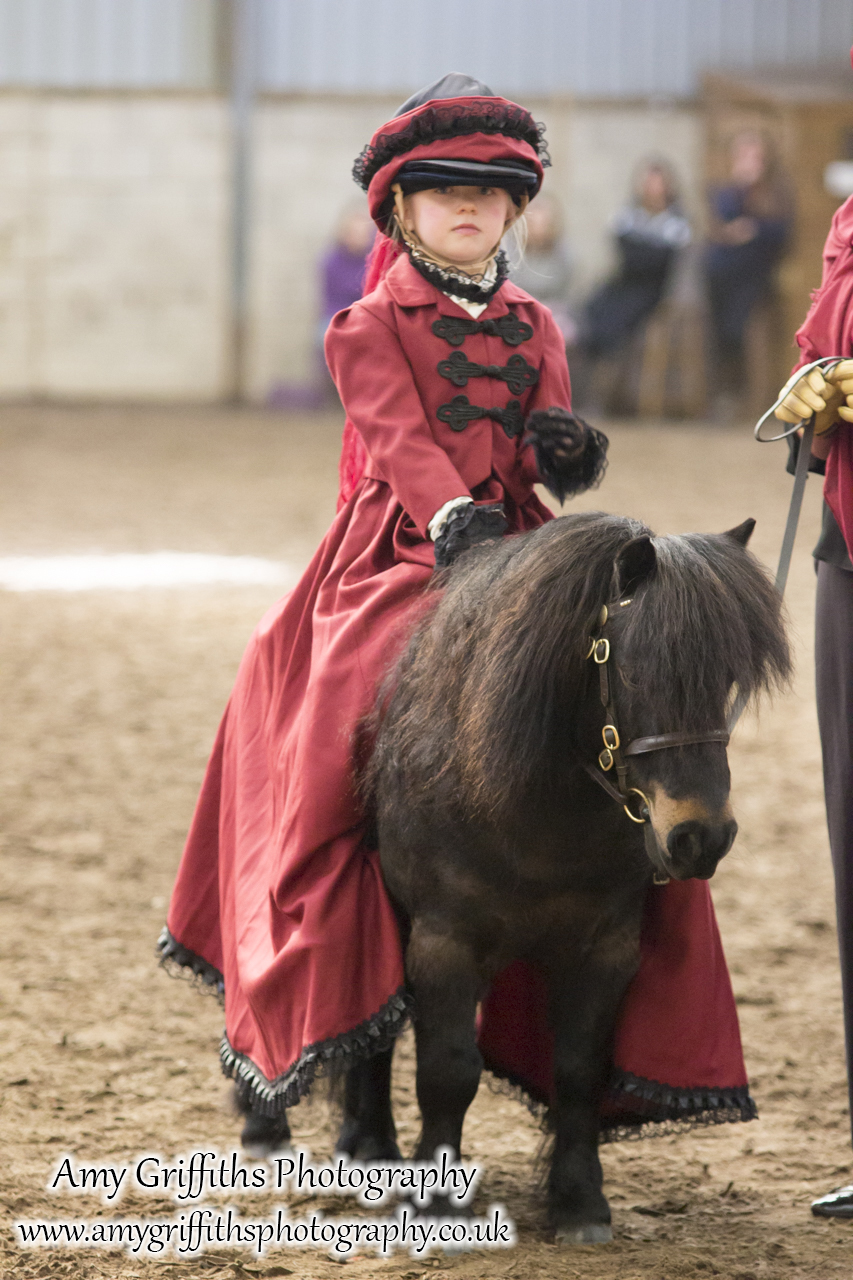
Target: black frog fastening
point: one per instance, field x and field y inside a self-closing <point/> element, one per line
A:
<point x="455" y="329"/>
<point x="459" y="412"/>
<point x="516" y="373"/>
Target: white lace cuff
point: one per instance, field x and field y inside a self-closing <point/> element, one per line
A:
<point x="438" y="521"/>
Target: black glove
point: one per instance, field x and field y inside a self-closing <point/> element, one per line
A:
<point x="465" y="527"/>
<point x="571" y="455"/>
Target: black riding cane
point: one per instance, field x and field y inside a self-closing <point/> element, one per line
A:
<point x="806" y="425"/>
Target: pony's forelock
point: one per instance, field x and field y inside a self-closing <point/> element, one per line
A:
<point x="708" y="622"/>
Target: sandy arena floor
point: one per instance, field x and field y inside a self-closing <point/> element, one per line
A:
<point x="110" y="702"/>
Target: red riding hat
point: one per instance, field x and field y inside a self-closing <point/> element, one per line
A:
<point x="455" y="131"/>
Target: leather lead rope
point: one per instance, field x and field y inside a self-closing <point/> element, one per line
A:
<point x="800" y="476"/>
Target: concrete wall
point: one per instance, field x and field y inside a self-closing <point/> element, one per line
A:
<point x="115" y="216"/>
<point x="113" y="246"/>
<point x="304" y="152"/>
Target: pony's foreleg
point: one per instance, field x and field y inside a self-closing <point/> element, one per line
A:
<point x="584" y="1007"/>
<point x="443" y="979"/>
<point x="368" y="1131"/>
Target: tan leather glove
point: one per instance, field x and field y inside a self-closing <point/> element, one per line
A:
<point x="841" y="377"/>
<point x="813" y="393"/>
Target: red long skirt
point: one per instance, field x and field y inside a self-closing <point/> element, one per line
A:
<point x="277" y="894"/>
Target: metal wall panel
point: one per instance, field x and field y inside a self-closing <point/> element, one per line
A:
<point x="108" y="43"/>
<point x="594" y="48"/>
<point x="598" y="48"/>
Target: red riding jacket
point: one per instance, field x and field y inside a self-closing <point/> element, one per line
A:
<point x="417" y="417"/>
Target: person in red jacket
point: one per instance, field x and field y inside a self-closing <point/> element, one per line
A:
<point x="828" y="396"/>
<point x="457" y="397"/>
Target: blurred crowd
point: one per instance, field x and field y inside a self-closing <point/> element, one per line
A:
<point x="712" y="299"/>
<point x="676" y="303"/>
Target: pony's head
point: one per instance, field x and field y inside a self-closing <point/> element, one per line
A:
<point x="692" y="619"/>
<point x="495" y="706"/>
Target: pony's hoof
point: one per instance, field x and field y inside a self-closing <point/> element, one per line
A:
<point x="368" y="1148"/>
<point x="591" y="1233"/>
<point x="262" y="1136"/>
<point x="263" y="1150"/>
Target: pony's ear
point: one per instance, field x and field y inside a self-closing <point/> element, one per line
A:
<point x="741" y="533"/>
<point x="635" y="562"/>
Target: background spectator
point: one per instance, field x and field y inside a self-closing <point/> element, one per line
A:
<point x="750" y="225"/>
<point x="648" y="234"/>
<point x="341" y="271"/>
<point x="342" y="266"/>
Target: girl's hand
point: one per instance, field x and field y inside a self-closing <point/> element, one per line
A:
<point x="467" y="527"/>
<point x="571" y="456"/>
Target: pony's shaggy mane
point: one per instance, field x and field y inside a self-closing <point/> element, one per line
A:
<point x="488" y="694"/>
<point x="708" y="620"/>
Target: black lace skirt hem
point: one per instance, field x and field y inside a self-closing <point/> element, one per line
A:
<point x="325" y="1057"/>
<point x="641" y="1107"/>
<point x="180" y="962"/>
<point x="646" y="1108"/>
<point x="272" y="1097"/>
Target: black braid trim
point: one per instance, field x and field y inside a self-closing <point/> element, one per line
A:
<point x="180" y="962"/>
<point x="456" y="283"/>
<point x="647" y="1108"/>
<point x="455" y="329"/>
<point x="272" y="1097"/>
<point x="459" y="411"/>
<point x="450" y="122"/>
<point x="516" y="373"/>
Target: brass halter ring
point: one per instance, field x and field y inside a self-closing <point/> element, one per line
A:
<point x="646" y="807"/>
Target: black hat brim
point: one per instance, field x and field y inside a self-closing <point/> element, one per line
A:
<point x="421" y="175"/>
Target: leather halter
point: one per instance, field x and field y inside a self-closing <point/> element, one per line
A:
<point x="612" y="756"/>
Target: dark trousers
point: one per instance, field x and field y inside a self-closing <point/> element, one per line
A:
<point x="834" y="672"/>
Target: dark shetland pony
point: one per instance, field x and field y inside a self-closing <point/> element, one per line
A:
<point x="497" y="844"/>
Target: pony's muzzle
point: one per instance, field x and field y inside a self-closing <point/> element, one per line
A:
<point x="694" y="848"/>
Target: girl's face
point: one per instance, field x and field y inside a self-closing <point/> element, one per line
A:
<point x="460" y="224"/>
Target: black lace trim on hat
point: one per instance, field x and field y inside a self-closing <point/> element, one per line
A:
<point x="646" y="1107"/>
<point x="456" y="282"/>
<point x="455" y="329"/>
<point x="516" y="373"/>
<point x="180" y="962"/>
<point x="272" y="1097"/>
<point x="450" y="122"/>
<point x="459" y="412"/>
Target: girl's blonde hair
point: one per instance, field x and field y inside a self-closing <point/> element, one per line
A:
<point x="517" y="237"/>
